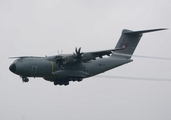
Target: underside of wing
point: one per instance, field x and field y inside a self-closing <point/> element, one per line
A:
<point x="105" y="52"/>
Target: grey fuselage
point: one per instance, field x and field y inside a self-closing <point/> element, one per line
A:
<point x="47" y="67"/>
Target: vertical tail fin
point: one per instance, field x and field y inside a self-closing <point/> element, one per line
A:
<point x="129" y="41"/>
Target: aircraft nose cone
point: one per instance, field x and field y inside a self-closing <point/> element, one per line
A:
<point x="12" y="68"/>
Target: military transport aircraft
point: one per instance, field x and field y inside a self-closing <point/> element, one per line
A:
<point x="60" y="69"/>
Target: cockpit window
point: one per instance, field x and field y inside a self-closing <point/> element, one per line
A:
<point x="17" y="60"/>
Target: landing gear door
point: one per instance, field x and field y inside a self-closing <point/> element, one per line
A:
<point x="87" y="69"/>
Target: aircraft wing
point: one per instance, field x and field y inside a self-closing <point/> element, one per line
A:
<point x="83" y="56"/>
<point x="87" y="56"/>
<point x="105" y="52"/>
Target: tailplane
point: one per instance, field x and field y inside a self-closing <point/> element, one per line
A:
<point x="129" y="41"/>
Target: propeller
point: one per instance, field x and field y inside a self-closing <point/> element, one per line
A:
<point x="78" y="54"/>
<point x="59" y="61"/>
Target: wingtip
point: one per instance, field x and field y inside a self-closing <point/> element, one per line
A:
<point x="163" y="29"/>
<point x="23" y="57"/>
<point x="12" y="57"/>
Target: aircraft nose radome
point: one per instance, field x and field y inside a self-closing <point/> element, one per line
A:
<point x="12" y="68"/>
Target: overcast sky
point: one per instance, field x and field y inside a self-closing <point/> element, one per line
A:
<point x="42" y="27"/>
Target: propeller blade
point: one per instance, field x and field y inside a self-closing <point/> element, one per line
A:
<point x="76" y="50"/>
<point x="59" y="61"/>
<point x="78" y="54"/>
<point x="79" y="50"/>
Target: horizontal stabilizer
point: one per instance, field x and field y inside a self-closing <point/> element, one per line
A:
<point x="143" y="31"/>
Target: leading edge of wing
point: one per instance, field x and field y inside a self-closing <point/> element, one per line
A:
<point x="24" y="57"/>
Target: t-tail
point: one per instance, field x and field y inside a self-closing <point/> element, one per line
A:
<point x="129" y="41"/>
